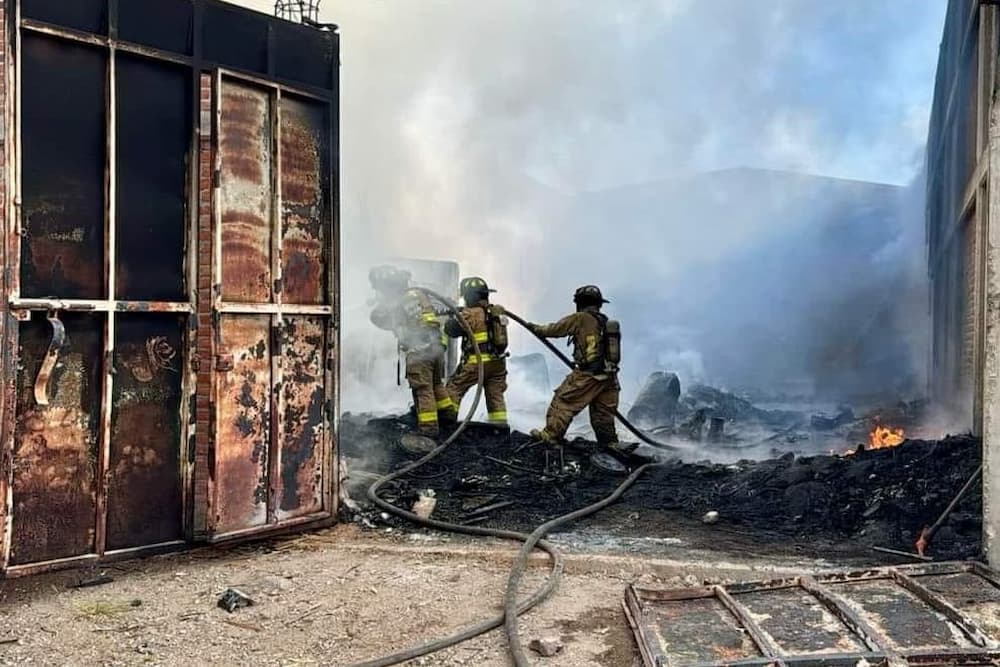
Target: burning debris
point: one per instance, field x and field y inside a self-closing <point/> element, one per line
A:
<point x="879" y="496"/>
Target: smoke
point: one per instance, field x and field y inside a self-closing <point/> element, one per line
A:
<point x="548" y="145"/>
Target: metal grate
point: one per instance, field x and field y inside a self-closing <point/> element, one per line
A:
<point x="938" y="614"/>
<point x="299" y="11"/>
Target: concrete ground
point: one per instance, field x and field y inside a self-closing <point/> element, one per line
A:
<point x="337" y="597"/>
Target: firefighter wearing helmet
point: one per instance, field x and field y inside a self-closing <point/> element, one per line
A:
<point x="593" y="382"/>
<point x="488" y="325"/>
<point x="411" y="317"/>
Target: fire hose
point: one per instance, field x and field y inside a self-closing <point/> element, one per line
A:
<point x="483" y="627"/>
<point x="568" y="362"/>
<point x="511" y="606"/>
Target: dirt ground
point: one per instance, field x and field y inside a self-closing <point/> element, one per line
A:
<point x="334" y="598"/>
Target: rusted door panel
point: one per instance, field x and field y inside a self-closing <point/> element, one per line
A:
<point x="144" y="477"/>
<point x="64" y="148"/>
<point x="56" y="446"/>
<point x="244" y="427"/>
<point x="299" y="487"/>
<point x="305" y="194"/>
<point x="246" y="193"/>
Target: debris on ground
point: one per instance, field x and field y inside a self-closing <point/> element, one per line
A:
<point x="546" y="647"/>
<point x="710" y="517"/>
<point x="234" y="599"/>
<point x="880" y="497"/>
<point x="89" y="582"/>
<point x="425" y="504"/>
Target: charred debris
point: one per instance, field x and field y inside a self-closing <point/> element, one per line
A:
<point x="780" y="477"/>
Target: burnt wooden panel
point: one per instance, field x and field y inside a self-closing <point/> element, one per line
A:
<point x="144" y="483"/>
<point x="243" y="441"/>
<point x="154" y="119"/>
<point x="299" y="487"/>
<point x="64" y="148"/>
<point x="55" y="454"/>
<point x="84" y="15"/>
<point x="305" y="196"/>
<point x="245" y="148"/>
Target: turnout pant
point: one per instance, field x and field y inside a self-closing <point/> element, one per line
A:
<point x="494" y="386"/>
<point x="425" y="375"/>
<point x="582" y="390"/>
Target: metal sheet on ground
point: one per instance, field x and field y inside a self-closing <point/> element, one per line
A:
<point x="967" y="592"/>
<point x="936" y="614"/>
<point x="246" y="194"/>
<point x="144" y="476"/>
<point x="244" y="430"/>
<point x="904" y="619"/>
<point x="302" y="432"/>
<point x="56" y="446"/>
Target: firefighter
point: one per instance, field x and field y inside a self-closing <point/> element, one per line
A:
<point x="488" y="324"/>
<point x="410" y="315"/>
<point x="593" y="382"/>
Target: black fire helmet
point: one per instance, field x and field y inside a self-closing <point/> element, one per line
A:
<point x="589" y="295"/>
<point x="474" y="289"/>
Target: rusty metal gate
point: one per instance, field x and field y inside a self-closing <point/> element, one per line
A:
<point x="272" y="308"/>
<point x="937" y="614"/>
<point x="169" y="314"/>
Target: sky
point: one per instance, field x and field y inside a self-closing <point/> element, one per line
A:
<point x="585" y="95"/>
<point x="478" y="131"/>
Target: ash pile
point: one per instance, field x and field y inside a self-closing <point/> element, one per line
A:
<point x="874" y="497"/>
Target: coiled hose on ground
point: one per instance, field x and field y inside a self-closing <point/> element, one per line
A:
<point x="512" y="608"/>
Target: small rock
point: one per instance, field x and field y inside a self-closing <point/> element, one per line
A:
<point x="233" y="599"/>
<point x="710" y="517"/>
<point x="546" y="647"/>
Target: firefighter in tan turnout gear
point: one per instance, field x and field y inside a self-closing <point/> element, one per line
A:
<point x="488" y="324"/>
<point x="593" y="382"/>
<point x="411" y="317"/>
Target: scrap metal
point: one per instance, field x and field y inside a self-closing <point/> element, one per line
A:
<point x="918" y="615"/>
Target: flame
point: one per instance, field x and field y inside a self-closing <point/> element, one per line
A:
<point x="882" y="437"/>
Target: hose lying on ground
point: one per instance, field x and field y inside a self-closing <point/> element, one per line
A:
<point x="521" y="561"/>
<point x="566" y="360"/>
<point x="485" y="626"/>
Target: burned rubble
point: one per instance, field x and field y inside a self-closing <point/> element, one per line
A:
<point x="881" y="497"/>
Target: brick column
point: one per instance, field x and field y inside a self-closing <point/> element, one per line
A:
<point x="204" y="416"/>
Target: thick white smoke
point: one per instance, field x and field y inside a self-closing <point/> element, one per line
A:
<point x="506" y="135"/>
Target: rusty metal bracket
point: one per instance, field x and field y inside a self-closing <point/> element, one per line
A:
<point x="51" y="358"/>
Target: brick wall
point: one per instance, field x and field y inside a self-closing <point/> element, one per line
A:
<point x="8" y="343"/>
<point x="204" y="422"/>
